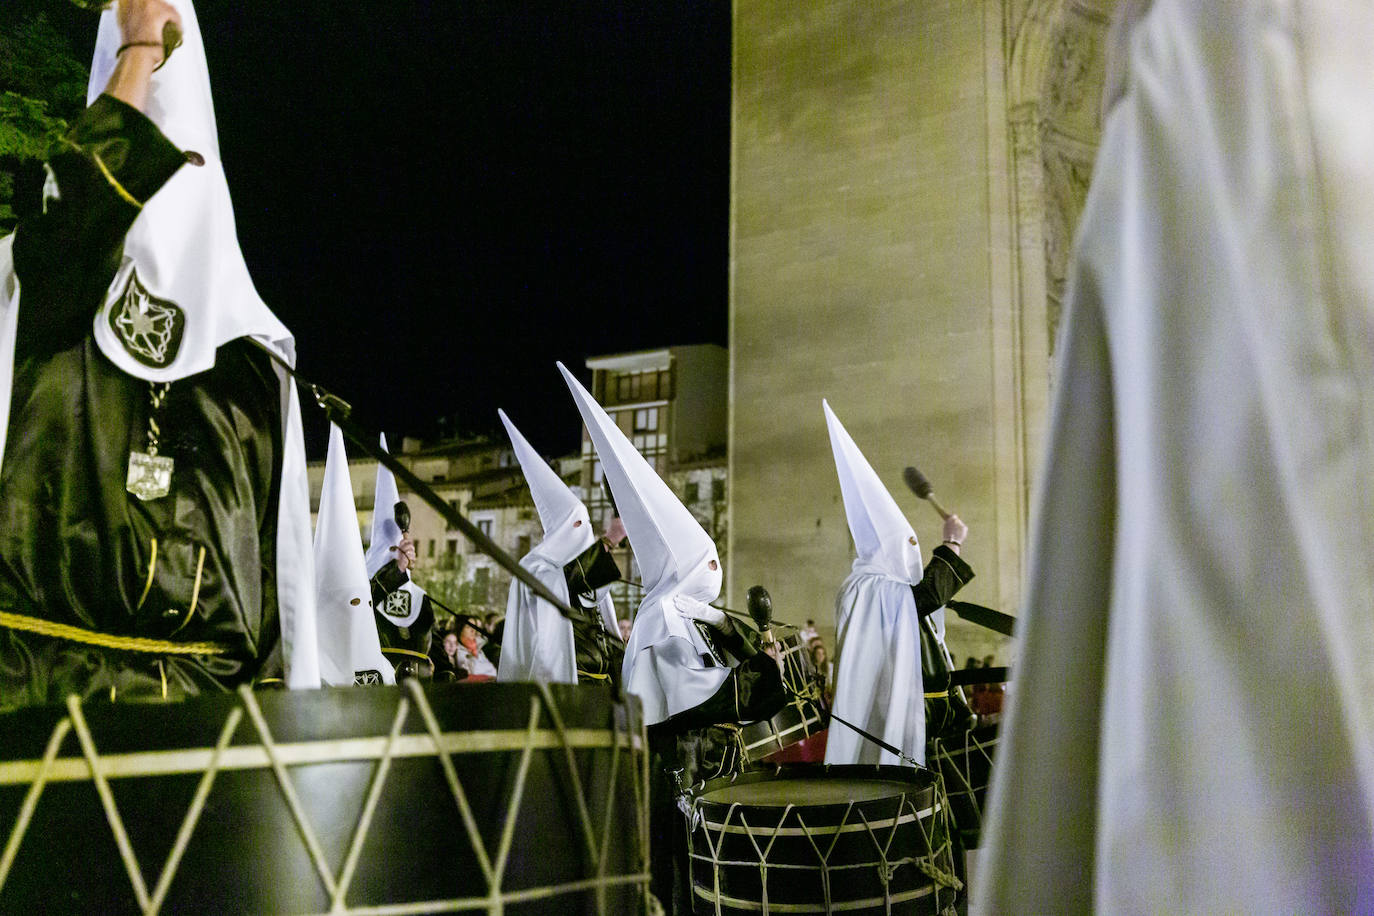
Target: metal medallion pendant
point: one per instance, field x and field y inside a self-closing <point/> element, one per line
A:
<point x="404" y="631"/>
<point x="150" y="476"/>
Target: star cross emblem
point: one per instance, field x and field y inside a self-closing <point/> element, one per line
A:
<point x="397" y="604"/>
<point x="149" y="328"/>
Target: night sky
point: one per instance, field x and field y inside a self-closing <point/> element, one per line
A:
<point x="442" y="198"/>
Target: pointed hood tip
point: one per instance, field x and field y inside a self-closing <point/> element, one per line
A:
<point x="667" y="539"/>
<point x="565" y="520"/>
<point x="883" y="537"/>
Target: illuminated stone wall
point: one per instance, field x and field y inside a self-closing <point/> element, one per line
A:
<point x="906" y="176"/>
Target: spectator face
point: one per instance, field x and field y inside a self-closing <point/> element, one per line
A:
<point x="818" y="655"/>
<point x="450" y="644"/>
<point x="624" y="630"/>
<point x="468" y="637"/>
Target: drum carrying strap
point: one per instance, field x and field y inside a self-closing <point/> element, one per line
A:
<point x="878" y="741"/>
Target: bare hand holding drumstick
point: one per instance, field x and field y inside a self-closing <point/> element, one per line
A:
<point x="149" y="30"/>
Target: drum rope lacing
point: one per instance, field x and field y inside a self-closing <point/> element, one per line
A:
<point x="939" y="832"/>
<point x="626" y="736"/>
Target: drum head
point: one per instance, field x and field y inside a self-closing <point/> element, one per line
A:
<point x="816" y="786"/>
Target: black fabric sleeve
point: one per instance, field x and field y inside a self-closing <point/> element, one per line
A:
<point x="944" y="575"/>
<point x="110" y="162"/>
<point x="753" y="691"/>
<point x="388" y="579"/>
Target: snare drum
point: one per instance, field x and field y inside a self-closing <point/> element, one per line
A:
<point x="797" y="721"/>
<point x="798" y="670"/>
<point x="384" y="799"/>
<point x="815" y="839"/>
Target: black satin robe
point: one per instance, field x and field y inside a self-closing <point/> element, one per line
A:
<point x="75" y="548"/>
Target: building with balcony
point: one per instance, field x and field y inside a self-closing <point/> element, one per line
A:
<point x="672" y="403"/>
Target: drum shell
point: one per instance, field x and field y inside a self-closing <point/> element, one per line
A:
<point x="965" y="762"/>
<point x="247" y="853"/>
<point x="863" y="851"/>
<point x="797" y="721"/>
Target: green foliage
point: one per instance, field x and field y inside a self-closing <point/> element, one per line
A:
<point x="42" y="87"/>
<point x="27" y="131"/>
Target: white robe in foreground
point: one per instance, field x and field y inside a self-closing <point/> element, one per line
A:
<point x="537" y="644"/>
<point x="1192" y="729"/>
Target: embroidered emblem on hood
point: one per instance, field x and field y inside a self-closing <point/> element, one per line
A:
<point x="148" y="327"/>
<point x="367" y="677"/>
<point x="397" y="604"/>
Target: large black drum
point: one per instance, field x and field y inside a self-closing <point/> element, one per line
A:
<point x="816" y="839"/>
<point x="964" y="760"/>
<point x="505" y="798"/>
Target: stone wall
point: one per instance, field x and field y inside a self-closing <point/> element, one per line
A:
<point x="895" y="237"/>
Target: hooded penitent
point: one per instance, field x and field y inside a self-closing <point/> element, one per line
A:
<point x="182" y="291"/>
<point x="402" y="607"/>
<point x="349" y="650"/>
<point x="878" y="638"/>
<point x="676" y="557"/>
<point x="537" y="644"/>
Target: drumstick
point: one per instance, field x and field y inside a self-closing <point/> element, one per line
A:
<point x="920" y="485"/>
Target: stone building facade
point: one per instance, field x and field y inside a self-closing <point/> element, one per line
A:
<point x="906" y="177"/>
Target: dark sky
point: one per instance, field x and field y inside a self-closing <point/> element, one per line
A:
<point x="442" y="198"/>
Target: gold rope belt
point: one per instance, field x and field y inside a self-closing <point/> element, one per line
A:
<point x="387" y="650"/>
<point x="107" y="640"/>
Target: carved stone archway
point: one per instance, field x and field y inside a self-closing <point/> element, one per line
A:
<point x="1054" y="94"/>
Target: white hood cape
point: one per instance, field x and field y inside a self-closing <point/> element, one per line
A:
<point x="350" y="652"/>
<point x="185" y="249"/>
<point x="537" y="644"/>
<point x="399" y="610"/>
<point x="665" y="661"/>
<point x="1192" y="725"/>
<point x="877" y="631"/>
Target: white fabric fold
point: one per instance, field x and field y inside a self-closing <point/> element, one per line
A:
<point x="1192" y="725"/>
<point x="349" y="649"/>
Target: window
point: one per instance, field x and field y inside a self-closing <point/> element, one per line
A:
<point x="484" y="526"/>
<point x="693" y="493"/>
<point x="646" y="419"/>
<point x="522" y="547"/>
<point x="718" y="490"/>
<point x="451" y="547"/>
<point x="431" y="547"/>
<point x="481" y="579"/>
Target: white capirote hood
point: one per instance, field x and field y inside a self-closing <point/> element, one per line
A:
<point x="566" y="522"/>
<point x="883" y="538"/>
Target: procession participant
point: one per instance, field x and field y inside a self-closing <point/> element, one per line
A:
<point x="688" y="664"/>
<point x="154" y="507"/>
<point x="1192" y="723"/>
<point x="538" y="642"/>
<point x="349" y="649"/>
<point x="404" y="614"/>
<point x="880" y="639"/>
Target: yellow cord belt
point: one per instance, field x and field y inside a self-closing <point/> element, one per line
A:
<point x="107" y="640"/>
